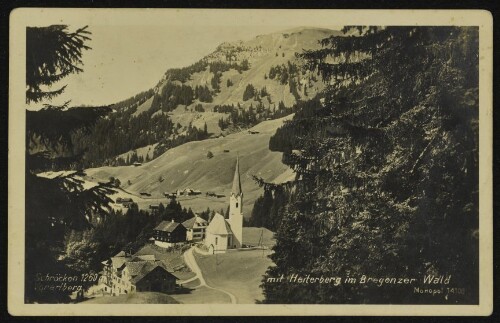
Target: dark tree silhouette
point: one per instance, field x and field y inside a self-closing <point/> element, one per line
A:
<point x="52" y="53"/>
<point x="387" y="168"/>
<point x="54" y="205"/>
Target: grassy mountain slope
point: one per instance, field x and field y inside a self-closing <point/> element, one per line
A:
<point x="187" y="166"/>
<point x="262" y="53"/>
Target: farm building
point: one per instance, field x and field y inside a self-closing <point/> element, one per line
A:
<point x="170" y="195"/>
<point x="124" y="200"/>
<point x="169" y="233"/>
<point x="123" y="274"/>
<point x="154" y="279"/>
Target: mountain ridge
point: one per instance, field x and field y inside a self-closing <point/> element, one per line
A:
<point x="235" y="87"/>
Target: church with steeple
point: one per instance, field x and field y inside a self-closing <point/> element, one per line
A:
<point x="223" y="234"/>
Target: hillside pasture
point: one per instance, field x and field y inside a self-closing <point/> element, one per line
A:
<point x="252" y="235"/>
<point x="188" y="166"/>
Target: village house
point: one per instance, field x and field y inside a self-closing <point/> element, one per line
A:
<point x="196" y="227"/>
<point x="195" y="192"/>
<point x="221" y="233"/>
<point x="112" y="272"/>
<point x="155" y="279"/>
<point x="125" y="201"/>
<point x="123" y="274"/>
<point x="170" y="195"/>
<point x="147" y="275"/>
<point x="169" y="233"/>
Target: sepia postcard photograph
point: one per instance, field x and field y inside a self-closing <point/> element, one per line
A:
<point x="250" y="162"/>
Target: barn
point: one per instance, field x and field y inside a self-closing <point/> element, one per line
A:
<point x="154" y="278"/>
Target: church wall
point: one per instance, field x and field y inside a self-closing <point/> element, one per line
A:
<point x="236" y="219"/>
<point x="218" y="241"/>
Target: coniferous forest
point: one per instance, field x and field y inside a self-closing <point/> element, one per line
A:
<point x="387" y="168"/>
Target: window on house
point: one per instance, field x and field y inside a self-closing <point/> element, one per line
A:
<point x="236" y="204"/>
<point x="216" y="240"/>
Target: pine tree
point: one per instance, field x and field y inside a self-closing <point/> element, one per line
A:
<point x="249" y="92"/>
<point x="245" y="65"/>
<point x="52" y="54"/>
<point x="387" y="166"/>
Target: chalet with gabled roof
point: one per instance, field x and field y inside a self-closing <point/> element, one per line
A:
<point x="154" y="278"/>
<point x="169" y="233"/>
<point x="196" y="227"/>
<point x="125" y="274"/>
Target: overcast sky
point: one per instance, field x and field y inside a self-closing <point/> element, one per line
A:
<point x="126" y="59"/>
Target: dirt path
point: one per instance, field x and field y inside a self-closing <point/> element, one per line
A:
<point x="193" y="265"/>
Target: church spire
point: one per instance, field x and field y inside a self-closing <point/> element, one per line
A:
<point x="236" y="190"/>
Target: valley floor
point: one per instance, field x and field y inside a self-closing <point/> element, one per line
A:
<point x="134" y="298"/>
<point x="238" y="274"/>
<point x="233" y="277"/>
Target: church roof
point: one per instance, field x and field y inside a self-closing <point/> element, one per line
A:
<point x="236" y="189"/>
<point x="219" y="225"/>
